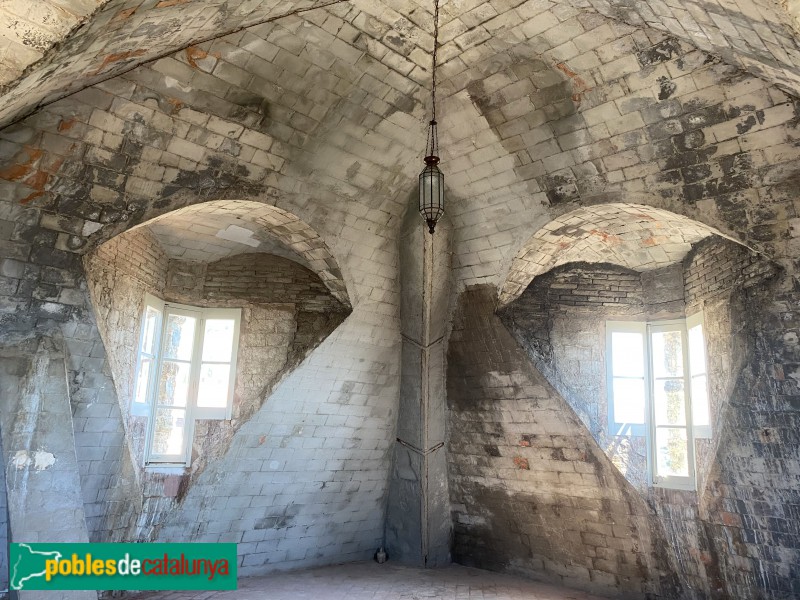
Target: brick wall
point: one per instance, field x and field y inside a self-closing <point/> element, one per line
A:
<point x="718" y="276"/>
<point x="594" y="286"/>
<point x="268" y="279"/>
<point x="303" y="481"/>
<point x="531" y="490"/>
<point x="560" y="321"/>
<point x="137" y="147"/>
<point x="120" y="272"/>
<point x="103" y="360"/>
<point x="137" y="255"/>
<point x="610" y="141"/>
<point x="565" y="340"/>
<point x="604" y="112"/>
<point x="352" y="383"/>
<point x="717" y="266"/>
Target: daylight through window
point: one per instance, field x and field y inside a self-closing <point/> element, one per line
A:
<point x="186" y="369"/>
<point x="658" y="388"/>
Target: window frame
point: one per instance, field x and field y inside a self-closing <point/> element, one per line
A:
<point x="670" y="481"/>
<point x="142" y="409"/>
<point x="615" y="427"/>
<point x="648" y="429"/>
<point x="192" y="411"/>
<point x="700" y="431"/>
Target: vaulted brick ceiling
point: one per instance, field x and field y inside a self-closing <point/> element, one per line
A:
<point x="212" y="230"/>
<point x="322" y="112"/>
<point x="632" y="236"/>
<point x="52" y="47"/>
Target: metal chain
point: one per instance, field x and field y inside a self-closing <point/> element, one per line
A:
<point x="435" y="52"/>
<point x="432" y="142"/>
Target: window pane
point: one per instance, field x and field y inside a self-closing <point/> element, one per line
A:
<point x="141" y="382"/>
<point x="168" y="431"/>
<point x="669" y="401"/>
<point x="173" y="387"/>
<point x="627" y="354"/>
<point x="667" y="354"/>
<point x="697" y="351"/>
<point x="218" y="340"/>
<point x="151" y="318"/>
<point x="628" y="401"/>
<point x="671" y="452"/>
<point x="213" y="390"/>
<point x="701" y="416"/>
<point x="179" y="337"/>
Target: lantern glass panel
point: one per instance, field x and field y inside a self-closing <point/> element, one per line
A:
<point x="431" y="193"/>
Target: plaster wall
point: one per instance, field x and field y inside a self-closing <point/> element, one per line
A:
<point x="42" y="478"/>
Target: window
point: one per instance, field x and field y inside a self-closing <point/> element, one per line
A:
<point x="658" y="388"/>
<point x="185" y="370"/>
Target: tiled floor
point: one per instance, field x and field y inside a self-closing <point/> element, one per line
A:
<point x="359" y="581"/>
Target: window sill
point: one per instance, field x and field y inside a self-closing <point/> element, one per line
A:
<point x="166" y="468"/>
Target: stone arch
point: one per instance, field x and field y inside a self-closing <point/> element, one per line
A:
<point x="635" y="236"/>
<point x="271" y="229"/>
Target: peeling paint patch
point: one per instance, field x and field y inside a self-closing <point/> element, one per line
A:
<point x="90" y="227"/>
<point x="195" y="56"/>
<point x="24" y="164"/>
<point x="579" y="85"/>
<point x="40" y="460"/>
<point x="666" y="87"/>
<point x="43" y="460"/>
<point x="20" y="460"/>
<point x="66" y="124"/>
<point x="116" y="57"/>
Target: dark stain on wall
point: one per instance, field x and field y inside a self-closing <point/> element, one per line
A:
<point x="547" y="503"/>
<point x="737" y="536"/>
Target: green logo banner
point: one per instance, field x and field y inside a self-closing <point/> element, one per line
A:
<point x="122" y="566"/>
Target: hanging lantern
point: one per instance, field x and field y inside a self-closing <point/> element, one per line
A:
<point x="431" y="180"/>
<point x="431" y="186"/>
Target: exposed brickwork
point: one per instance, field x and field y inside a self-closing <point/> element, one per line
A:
<point x="125" y="268"/>
<point x="138" y="256"/>
<point x="594" y="286"/>
<point x="267" y="279"/>
<point x="618" y="141"/>
<point x="560" y="321"/>
<point x="636" y="237"/>
<point x="715" y="268"/>
<point x="531" y="490"/>
<point x="276" y="296"/>
<point x="566" y="341"/>
<point x="307" y="130"/>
